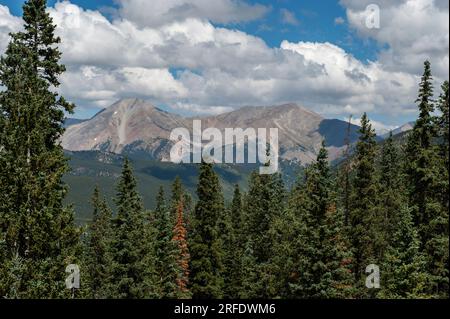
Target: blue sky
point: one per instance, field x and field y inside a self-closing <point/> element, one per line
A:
<point x="211" y="56"/>
<point x="316" y="22"/>
<point x="16" y="5"/>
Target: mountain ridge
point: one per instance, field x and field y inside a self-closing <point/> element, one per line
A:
<point x="135" y="125"/>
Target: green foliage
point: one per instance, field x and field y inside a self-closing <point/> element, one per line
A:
<point x="251" y="285"/>
<point x="205" y="243"/>
<point x="428" y="180"/>
<point x="165" y="249"/>
<point x="38" y="231"/>
<point x="365" y="230"/>
<point x="322" y="262"/>
<point x="97" y="259"/>
<point x="234" y="246"/>
<point x="132" y="261"/>
<point x="392" y="190"/>
<point x="311" y="243"/>
<point x="264" y="203"/>
<point x="403" y="269"/>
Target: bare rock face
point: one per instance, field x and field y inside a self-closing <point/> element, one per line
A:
<point x="133" y="125"/>
<point x="124" y="123"/>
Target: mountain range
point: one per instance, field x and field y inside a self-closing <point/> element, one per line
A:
<point x="134" y="126"/>
<point x="138" y="130"/>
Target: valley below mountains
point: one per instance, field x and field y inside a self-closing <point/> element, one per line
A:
<point x="139" y="131"/>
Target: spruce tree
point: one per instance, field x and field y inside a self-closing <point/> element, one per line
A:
<point x="251" y="285"/>
<point x="426" y="172"/>
<point x="177" y="193"/>
<point x="443" y="126"/>
<point x="206" y="265"/>
<point x="392" y="190"/>
<point x="323" y="262"/>
<point x="264" y="204"/>
<point x="97" y="250"/>
<point x="285" y="231"/>
<point x="443" y="122"/>
<point x="403" y="269"/>
<point x="439" y="245"/>
<point x="365" y="233"/>
<point x="132" y="268"/>
<point x="235" y="246"/>
<point x="176" y="197"/>
<point x="165" y="249"/>
<point x="183" y="256"/>
<point x="37" y="229"/>
<point x="420" y="154"/>
<point x="188" y="211"/>
<point x="344" y="177"/>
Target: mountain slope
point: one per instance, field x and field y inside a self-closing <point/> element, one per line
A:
<point x="404" y="128"/>
<point x="136" y="127"/>
<point x="90" y="168"/>
<point x="120" y="125"/>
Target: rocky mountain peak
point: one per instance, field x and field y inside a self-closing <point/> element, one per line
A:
<point x="134" y="125"/>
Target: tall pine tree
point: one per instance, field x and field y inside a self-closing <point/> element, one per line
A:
<point x="235" y="246"/>
<point x="183" y="257"/>
<point x="132" y="265"/>
<point x="392" y="189"/>
<point x="97" y="249"/>
<point x="366" y="232"/>
<point x="264" y="204"/>
<point x="205" y="245"/>
<point x="36" y="227"/>
<point x="165" y="249"/>
<point x="403" y="269"/>
<point x="441" y="222"/>
<point x="426" y="172"/>
<point x="323" y="263"/>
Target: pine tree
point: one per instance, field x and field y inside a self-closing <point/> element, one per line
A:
<point x="235" y="246"/>
<point x="443" y="127"/>
<point x="265" y="201"/>
<point x="285" y="231"/>
<point x="323" y="263"/>
<point x="226" y="238"/>
<point x="131" y="267"/>
<point x="344" y="176"/>
<point x="165" y="249"/>
<point x="403" y="270"/>
<point x="188" y="212"/>
<point x="366" y="233"/>
<point x="251" y="285"/>
<point x="392" y="190"/>
<point x="425" y="171"/>
<point x="439" y="244"/>
<point x="97" y="250"/>
<point x="205" y="245"/>
<point x="37" y="228"/>
<point x="264" y="204"/>
<point x="230" y="237"/>
<point x="444" y="120"/>
<point x="177" y="193"/>
<point x="183" y="256"/>
<point x="420" y="153"/>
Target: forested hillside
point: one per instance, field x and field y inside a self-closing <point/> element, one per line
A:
<point x="385" y="208"/>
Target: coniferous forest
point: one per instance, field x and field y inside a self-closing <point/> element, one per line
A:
<point x="385" y="205"/>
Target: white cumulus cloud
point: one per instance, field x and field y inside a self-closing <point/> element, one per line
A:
<point x="174" y="55"/>
<point x="413" y="30"/>
<point x="155" y="13"/>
